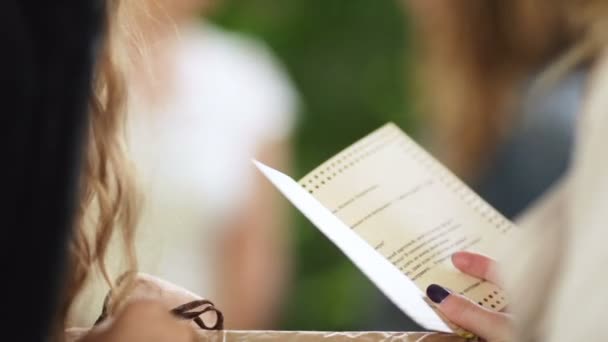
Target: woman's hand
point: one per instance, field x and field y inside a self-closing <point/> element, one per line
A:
<point x="142" y="321"/>
<point x="147" y="315"/>
<point x="490" y="325"/>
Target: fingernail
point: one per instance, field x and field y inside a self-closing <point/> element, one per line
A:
<point x="437" y="293"/>
<point x="460" y="259"/>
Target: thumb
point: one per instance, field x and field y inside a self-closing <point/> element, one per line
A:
<point x="143" y="321"/>
<point x="490" y="325"/>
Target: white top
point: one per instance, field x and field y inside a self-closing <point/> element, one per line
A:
<point x="556" y="273"/>
<point x="193" y="154"/>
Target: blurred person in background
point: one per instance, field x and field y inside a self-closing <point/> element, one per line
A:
<point x="479" y="63"/>
<point x="202" y="103"/>
<point x="347" y="59"/>
<point x="478" y="56"/>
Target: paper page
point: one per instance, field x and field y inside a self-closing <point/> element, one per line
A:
<point x="393" y="283"/>
<point x="389" y="192"/>
<point x="412" y="210"/>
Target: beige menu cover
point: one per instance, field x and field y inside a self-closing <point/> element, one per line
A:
<point x="398" y="214"/>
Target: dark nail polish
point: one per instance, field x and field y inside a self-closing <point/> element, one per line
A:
<point x="437" y="293"/>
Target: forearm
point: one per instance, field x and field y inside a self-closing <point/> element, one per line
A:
<point x="255" y="256"/>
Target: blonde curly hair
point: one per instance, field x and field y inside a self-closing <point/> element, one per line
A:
<point x="109" y="201"/>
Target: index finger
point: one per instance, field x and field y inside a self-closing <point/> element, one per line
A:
<point x="476" y="265"/>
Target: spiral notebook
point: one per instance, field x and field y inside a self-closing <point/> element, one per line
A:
<point x="398" y="214"/>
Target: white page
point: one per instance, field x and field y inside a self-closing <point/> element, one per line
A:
<point x="394" y="284"/>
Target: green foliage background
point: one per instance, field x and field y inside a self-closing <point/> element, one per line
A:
<point x="349" y="62"/>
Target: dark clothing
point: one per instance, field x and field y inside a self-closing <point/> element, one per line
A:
<point x="47" y="52"/>
<point x="538" y="152"/>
